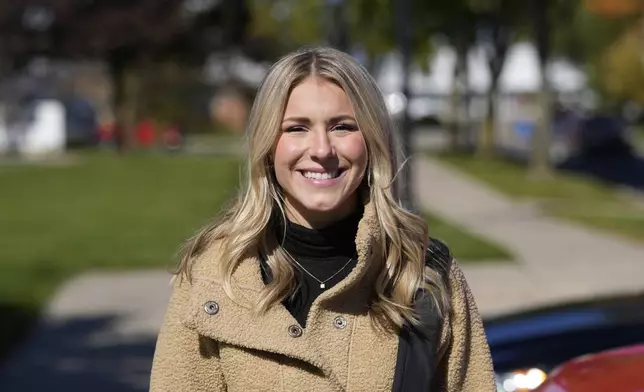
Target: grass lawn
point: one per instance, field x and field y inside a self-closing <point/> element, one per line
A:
<point x="576" y="198"/>
<point x="466" y="247"/>
<point x="638" y="139"/>
<point x="107" y="212"/>
<point x="100" y="212"/>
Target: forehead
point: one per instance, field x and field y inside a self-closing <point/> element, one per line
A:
<point x="317" y="96"/>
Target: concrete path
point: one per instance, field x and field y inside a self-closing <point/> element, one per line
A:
<point x="556" y="260"/>
<point x="97" y="334"/>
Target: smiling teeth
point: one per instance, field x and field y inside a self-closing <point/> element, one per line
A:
<point x="321" y="176"/>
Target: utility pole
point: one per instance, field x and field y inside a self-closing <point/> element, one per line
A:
<point x="404" y="39"/>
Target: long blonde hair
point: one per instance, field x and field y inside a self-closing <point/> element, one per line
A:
<point x="245" y="228"/>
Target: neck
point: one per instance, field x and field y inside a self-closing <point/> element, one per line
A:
<point x="333" y="240"/>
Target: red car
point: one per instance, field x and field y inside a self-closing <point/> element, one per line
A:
<point x="617" y="370"/>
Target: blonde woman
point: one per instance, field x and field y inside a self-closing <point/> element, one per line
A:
<point x="318" y="279"/>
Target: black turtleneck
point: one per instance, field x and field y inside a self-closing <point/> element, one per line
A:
<point x="322" y="252"/>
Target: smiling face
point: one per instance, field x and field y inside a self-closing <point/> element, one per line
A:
<point x="320" y="156"/>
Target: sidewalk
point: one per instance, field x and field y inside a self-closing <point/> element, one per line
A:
<point x="98" y="334"/>
<point x="555" y="260"/>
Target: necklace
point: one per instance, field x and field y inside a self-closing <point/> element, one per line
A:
<point x="321" y="282"/>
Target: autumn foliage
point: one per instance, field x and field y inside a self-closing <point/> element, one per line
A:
<point x="614" y="7"/>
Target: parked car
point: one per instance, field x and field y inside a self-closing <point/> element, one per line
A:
<point x="617" y="370"/>
<point x="604" y="151"/>
<point x="529" y="345"/>
<point x="81" y="123"/>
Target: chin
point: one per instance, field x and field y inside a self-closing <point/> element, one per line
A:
<point x="332" y="206"/>
<point x="320" y="206"/>
<point x="323" y="207"/>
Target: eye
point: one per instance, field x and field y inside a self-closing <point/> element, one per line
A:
<point x="345" y="127"/>
<point x="295" y="128"/>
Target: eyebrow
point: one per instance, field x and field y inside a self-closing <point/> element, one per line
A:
<point x="306" y="120"/>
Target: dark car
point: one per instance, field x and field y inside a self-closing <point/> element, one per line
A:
<point x="527" y="346"/>
<point x="604" y="152"/>
<point x="81" y="122"/>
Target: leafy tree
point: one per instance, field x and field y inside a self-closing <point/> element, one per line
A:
<point x="609" y="42"/>
<point x="586" y="35"/>
<point x="287" y="23"/>
<point x="622" y="67"/>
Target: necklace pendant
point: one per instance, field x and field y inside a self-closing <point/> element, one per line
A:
<point x="322" y="285"/>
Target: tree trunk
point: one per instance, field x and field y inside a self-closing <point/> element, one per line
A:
<point x="127" y="85"/>
<point x="485" y="145"/>
<point x="500" y="41"/>
<point x="540" y="159"/>
<point x="459" y="86"/>
<point x="466" y="118"/>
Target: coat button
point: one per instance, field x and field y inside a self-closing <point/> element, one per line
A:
<point x="295" y="331"/>
<point x="211" y="307"/>
<point x="340" y="322"/>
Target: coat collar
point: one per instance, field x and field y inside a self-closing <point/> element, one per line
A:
<point x="247" y="276"/>
<point x="234" y="324"/>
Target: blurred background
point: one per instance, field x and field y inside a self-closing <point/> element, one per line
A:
<point x="121" y="133"/>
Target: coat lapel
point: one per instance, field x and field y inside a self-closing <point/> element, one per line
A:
<point x="236" y="325"/>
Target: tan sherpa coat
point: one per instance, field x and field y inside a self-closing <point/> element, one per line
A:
<point x="224" y="348"/>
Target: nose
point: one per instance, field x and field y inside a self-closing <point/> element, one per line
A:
<point x="321" y="146"/>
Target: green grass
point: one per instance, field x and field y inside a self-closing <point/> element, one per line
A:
<point x="638" y="139"/>
<point x="99" y="212"/>
<point x="466" y="247"/>
<point x="566" y="196"/>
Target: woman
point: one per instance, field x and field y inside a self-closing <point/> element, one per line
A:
<point x="317" y="279"/>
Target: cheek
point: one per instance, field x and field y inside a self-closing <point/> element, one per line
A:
<point x="278" y="153"/>
<point x="356" y="152"/>
<point x="283" y="152"/>
<point x="286" y="154"/>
